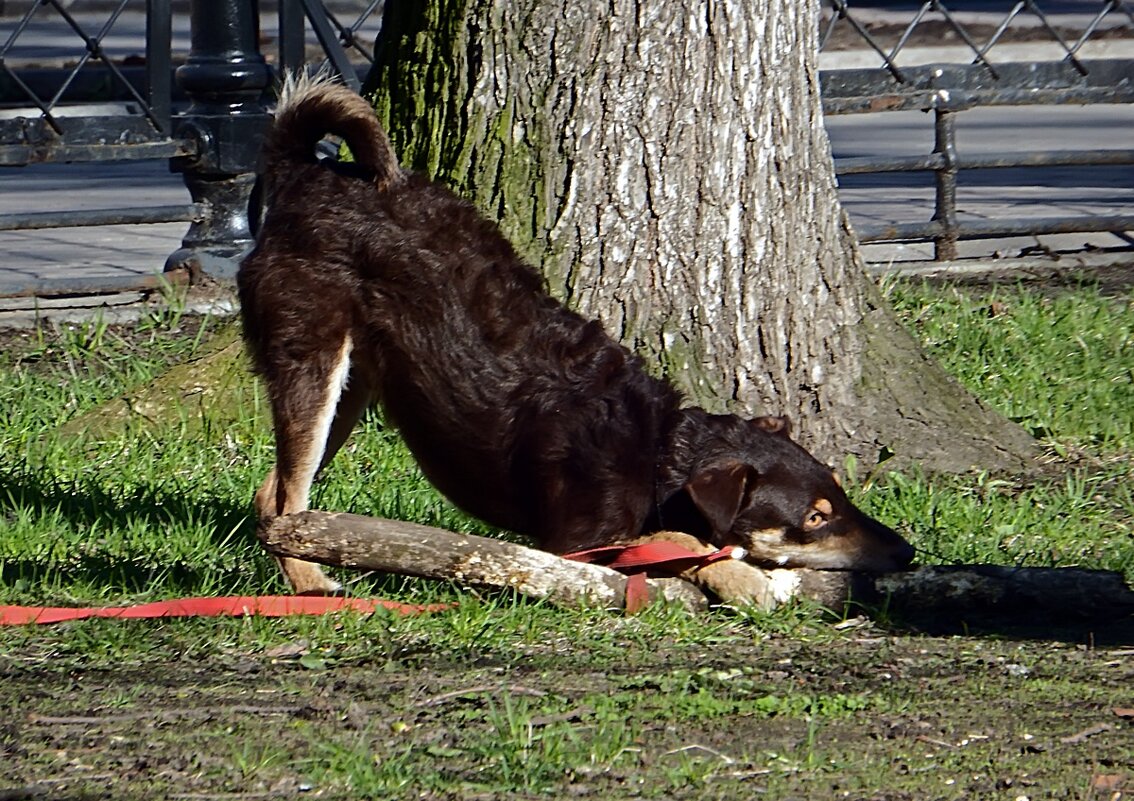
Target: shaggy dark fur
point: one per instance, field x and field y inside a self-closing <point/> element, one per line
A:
<point x="520" y="411"/>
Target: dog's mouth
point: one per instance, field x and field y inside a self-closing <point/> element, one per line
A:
<point x="827" y="561"/>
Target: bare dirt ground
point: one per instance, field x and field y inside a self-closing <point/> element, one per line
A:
<point x="935" y="717"/>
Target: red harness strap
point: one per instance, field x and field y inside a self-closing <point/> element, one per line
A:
<point x="233" y="606"/>
<point x="662" y="558"/>
<point x="648" y="558"/>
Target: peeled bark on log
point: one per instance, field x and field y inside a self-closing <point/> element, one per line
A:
<point x="394" y="546"/>
<point x="935" y="596"/>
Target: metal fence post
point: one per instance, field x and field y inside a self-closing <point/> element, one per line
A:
<point x="225" y="77"/>
<point x="292" y="48"/>
<point x="945" y="213"/>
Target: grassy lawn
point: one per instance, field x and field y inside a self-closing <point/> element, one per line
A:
<point x="505" y="698"/>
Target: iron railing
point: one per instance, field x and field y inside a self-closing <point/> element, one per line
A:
<point x="205" y="111"/>
<point x="55" y="135"/>
<point x="945" y="90"/>
<point x="341" y="43"/>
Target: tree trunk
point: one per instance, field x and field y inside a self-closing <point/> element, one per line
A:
<point x="667" y="167"/>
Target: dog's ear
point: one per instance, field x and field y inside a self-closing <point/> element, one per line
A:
<point x="718" y="493"/>
<point x="773" y="425"/>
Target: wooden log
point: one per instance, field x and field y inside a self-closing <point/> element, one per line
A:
<point x="394" y="546"/>
<point x="1027" y="595"/>
<point x="933" y="596"/>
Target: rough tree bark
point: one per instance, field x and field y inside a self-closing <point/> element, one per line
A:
<point x="666" y="165"/>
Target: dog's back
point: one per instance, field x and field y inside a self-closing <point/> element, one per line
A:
<point x="368" y="284"/>
<point x="520" y="411"/>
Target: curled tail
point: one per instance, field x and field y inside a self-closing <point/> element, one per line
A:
<point x="313" y="107"/>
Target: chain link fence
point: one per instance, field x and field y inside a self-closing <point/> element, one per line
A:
<point x="946" y="62"/>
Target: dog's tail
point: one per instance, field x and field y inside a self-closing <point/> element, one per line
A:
<point x="311" y="107"/>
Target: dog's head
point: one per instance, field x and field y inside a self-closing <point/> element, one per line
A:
<point x="753" y="486"/>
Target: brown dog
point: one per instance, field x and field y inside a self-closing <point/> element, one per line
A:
<point x="372" y="285"/>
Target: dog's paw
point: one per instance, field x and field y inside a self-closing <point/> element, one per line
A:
<point x="736" y="583"/>
<point x="308" y="578"/>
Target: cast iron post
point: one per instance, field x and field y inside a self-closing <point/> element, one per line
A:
<point x="945" y="202"/>
<point x="225" y="77"/>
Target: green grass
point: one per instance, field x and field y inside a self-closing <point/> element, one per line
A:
<point x="1059" y="364"/>
<point x="145" y="514"/>
<point x="504" y="697"/>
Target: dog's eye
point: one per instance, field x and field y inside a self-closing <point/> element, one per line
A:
<point x="821" y="511"/>
<point x="816" y="519"/>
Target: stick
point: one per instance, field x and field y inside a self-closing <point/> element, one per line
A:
<point x="967" y="593"/>
<point x="393" y="546"/>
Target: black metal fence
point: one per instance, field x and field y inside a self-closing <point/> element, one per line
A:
<point x="205" y="114"/>
<point x="949" y="89"/>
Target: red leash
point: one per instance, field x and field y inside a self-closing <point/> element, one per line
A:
<point x="663" y="558"/>
<point x="232" y="606"/>
<point x="656" y="558"/>
<point x="659" y="558"/>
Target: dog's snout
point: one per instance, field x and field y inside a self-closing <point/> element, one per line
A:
<point x="897" y="553"/>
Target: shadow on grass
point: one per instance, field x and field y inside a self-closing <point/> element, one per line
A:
<point x="1090" y="607"/>
<point x="1088" y="632"/>
<point x="130" y="541"/>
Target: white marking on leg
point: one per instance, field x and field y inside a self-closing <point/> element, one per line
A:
<point x="321" y="429"/>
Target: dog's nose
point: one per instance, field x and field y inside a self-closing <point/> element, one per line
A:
<point x="904" y="555"/>
<point x="898" y="552"/>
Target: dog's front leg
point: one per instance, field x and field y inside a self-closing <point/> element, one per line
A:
<point x="305" y="578"/>
<point x="314" y="409"/>
<point x="733" y="581"/>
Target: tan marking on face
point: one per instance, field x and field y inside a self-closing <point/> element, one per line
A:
<point x="764" y="546"/>
<point x="768" y="547"/>
<point x="819" y="515"/>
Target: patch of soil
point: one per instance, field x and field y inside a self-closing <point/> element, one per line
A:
<point x="940" y="718"/>
<point x="51" y="346"/>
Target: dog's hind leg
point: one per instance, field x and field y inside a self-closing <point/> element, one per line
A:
<point x="314" y="411"/>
